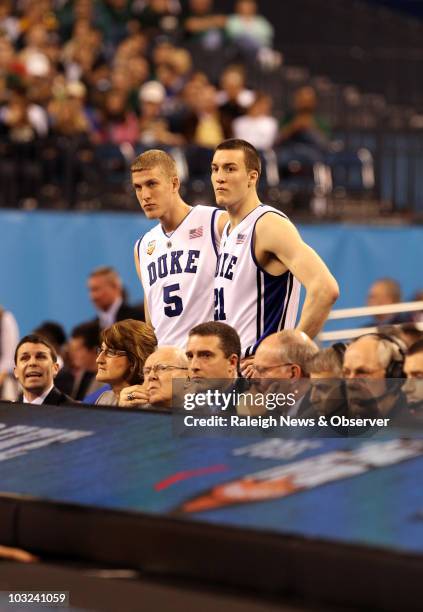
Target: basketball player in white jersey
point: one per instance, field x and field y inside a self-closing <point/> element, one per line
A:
<point x="262" y="259"/>
<point x="176" y="260"/>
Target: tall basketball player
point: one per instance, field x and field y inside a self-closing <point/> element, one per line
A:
<point x="176" y="260"/>
<point x="262" y="259"/>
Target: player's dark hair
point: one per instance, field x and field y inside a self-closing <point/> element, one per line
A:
<point x="228" y="337"/>
<point x="251" y="156"/>
<point x="36" y="339"/>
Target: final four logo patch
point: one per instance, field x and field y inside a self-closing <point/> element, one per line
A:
<point x="151" y="246"/>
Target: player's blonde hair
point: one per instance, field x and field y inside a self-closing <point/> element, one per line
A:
<point x="155" y="158"/>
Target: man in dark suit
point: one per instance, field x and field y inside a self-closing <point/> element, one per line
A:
<point x="35" y="368"/>
<point x="107" y="295"/>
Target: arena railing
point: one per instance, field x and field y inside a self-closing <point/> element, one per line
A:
<point x="363" y="311"/>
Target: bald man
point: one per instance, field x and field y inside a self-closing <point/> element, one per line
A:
<point x="367" y="368"/>
<point x="284" y="356"/>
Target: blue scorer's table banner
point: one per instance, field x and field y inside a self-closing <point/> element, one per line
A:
<point x="365" y="492"/>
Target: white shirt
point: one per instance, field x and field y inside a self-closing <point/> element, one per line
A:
<point x="9" y="338"/>
<point x="38" y="400"/>
<point x="261" y="131"/>
<point x="108" y="317"/>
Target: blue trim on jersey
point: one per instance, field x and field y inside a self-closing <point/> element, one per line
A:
<point x="212" y="232"/>
<point x="138" y="247"/>
<point x="253" y="255"/>
<point x="276" y="290"/>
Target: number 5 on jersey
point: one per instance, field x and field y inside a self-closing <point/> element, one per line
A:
<point x="175" y="306"/>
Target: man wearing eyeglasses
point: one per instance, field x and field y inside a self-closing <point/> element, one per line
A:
<point x="160" y="369"/>
<point x="283" y="357"/>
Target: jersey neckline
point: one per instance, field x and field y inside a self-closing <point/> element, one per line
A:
<point x="179" y="225"/>
<point x="226" y="233"/>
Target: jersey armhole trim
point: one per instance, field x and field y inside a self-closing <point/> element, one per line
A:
<point x="253" y="233"/>
<point x="213" y="230"/>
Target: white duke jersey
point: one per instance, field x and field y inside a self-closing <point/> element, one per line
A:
<point x="247" y="297"/>
<point x="177" y="271"/>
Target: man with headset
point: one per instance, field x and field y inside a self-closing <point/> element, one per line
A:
<point x="373" y="370"/>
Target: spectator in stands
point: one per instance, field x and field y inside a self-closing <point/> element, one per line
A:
<point x="54" y="333"/>
<point x="67" y="111"/>
<point x="21" y="121"/>
<point x="383" y="292"/>
<point x="118" y="124"/>
<point x="302" y="124"/>
<point x="159" y="17"/>
<point x="327" y="395"/>
<point x="203" y="26"/>
<point x="9" y="337"/>
<point x="107" y="295"/>
<point x="249" y="30"/>
<point x="112" y="17"/>
<point x="205" y="127"/>
<point x="257" y="126"/>
<point x="413" y="386"/>
<point x="125" y="346"/>
<point x="154" y="130"/>
<point x="83" y="344"/>
<point x="233" y="98"/>
<point x="9" y="23"/>
<point x="36" y="368"/>
<point x="161" y="368"/>
<point x="372" y="366"/>
<point x="283" y="357"/>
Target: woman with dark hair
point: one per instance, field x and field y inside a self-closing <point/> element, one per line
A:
<point x="125" y="346"/>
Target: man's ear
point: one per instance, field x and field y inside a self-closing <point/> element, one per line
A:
<point x="253" y="177"/>
<point x="14" y="373"/>
<point x="56" y="369"/>
<point x="233" y="361"/>
<point x="296" y="371"/>
<point x="176" y="184"/>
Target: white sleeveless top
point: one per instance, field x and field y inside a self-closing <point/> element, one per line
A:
<point x="177" y="271"/>
<point x="247" y="297"/>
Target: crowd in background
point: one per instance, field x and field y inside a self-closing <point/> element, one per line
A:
<point x="123" y="71"/>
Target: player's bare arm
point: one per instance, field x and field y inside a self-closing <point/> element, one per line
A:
<point x="137" y="268"/>
<point x="279" y="247"/>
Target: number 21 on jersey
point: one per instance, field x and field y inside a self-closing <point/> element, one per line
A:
<point x="219" y="305"/>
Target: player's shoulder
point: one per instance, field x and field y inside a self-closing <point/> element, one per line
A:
<point x="269" y="214"/>
<point x="205" y="211"/>
<point x="142" y="243"/>
<point x="270" y="222"/>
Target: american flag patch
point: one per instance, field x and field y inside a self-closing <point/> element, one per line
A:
<point x="241" y="238"/>
<point x="196" y="233"/>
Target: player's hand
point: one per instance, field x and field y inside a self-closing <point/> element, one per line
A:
<point x="133" y="396"/>
<point x="247" y="369"/>
<point x="16" y="554"/>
